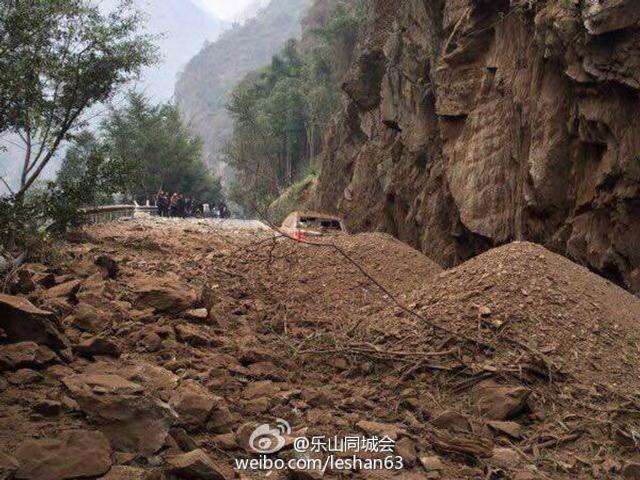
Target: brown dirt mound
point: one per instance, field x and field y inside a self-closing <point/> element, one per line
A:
<point x="580" y="321"/>
<point x="394" y="264"/>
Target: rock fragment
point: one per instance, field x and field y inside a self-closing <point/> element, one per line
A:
<point x="48" y="408"/>
<point x="262" y="389"/>
<point x="452" y="421"/>
<point x="24" y="376"/>
<point x="506" y="458"/>
<point x="88" y="318"/>
<point x="131" y="420"/>
<point x="65" y="289"/>
<point x="499" y="402"/>
<point x="192" y="335"/>
<point x="431" y="463"/>
<point x="195" y="465"/>
<point x="108" y="265"/>
<point x="197" y="315"/>
<point x="26" y="355"/>
<point x="193" y="403"/>
<point x="512" y="429"/>
<point x="183" y="440"/>
<point x="74" y="454"/>
<point x="377" y="428"/>
<point x="406" y="448"/>
<point x="163" y="298"/>
<point x="225" y="441"/>
<point x="98" y="346"/>
<point x="21" y="321"/>
<point x="23" y="282"/>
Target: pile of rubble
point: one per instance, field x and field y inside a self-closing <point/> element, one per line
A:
<point x="156" y="349"/>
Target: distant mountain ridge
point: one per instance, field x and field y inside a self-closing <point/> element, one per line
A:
<point x="251" y="10"/>
<point x="184" y="28"/>
<point x="203" y="87"/>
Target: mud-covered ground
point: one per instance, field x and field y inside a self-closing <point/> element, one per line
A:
<point x="158" y="347"/>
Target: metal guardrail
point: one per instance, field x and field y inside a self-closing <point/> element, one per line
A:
<point x="109" y="213"/>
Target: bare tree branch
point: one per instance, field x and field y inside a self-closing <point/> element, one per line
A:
<point x="27" y="154"/>
<point x="8" y="187"/>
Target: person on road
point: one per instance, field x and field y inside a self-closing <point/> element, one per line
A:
<point x="173" y="205"/>
<point x="162" y="203"/>
<point x="224" y="210"/>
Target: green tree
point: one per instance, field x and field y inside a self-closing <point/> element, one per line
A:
<point x="89" y="174"/>
<point x="58" y="58"/>
<point x="155" y="148"/>
<point x="87" y="177"/>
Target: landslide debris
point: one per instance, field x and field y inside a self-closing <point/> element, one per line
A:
<point x="517" y="364"/>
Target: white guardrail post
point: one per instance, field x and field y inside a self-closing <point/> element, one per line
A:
<point x="110" y="213"/>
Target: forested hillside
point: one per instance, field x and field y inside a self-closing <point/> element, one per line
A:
<point x="281" y="110"/>
<point x="202" y="90"/>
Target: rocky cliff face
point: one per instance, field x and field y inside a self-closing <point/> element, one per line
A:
<point x="471" y="123"/>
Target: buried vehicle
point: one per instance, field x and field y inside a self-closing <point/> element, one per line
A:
<point x="302" y="225"/>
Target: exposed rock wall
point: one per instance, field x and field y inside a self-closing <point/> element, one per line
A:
<point x="471" y="123"/>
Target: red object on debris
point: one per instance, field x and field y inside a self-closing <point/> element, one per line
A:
<point x="299" y="235"/>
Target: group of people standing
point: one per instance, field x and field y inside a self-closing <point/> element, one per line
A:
<point x="176" y="205"/>
<point x="179" y="205"/>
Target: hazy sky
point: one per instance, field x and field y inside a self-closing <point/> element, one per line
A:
<point x="225" y="9"/>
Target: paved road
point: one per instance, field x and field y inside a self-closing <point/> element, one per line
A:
<point x="223" y="224"/>
<point x="237" y="224"/>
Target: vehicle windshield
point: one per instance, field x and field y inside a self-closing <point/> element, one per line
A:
<point x="319" y="223"/>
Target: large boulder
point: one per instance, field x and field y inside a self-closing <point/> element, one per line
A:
<point x="88" y="318"/>
<point x="75" y="454"/>
<point x="21" y="321"/>
<point x="132" y="421"/>
<point x="26" y="355"/>
<point x="193" y="403"/>
<point x="152" y="379"/>
<point x="167" y="296"/>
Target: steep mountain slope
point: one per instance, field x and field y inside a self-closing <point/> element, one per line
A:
<point x="182" y="27"/>
<point x="471" y="123"/>
<point x="203" y="87"/>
